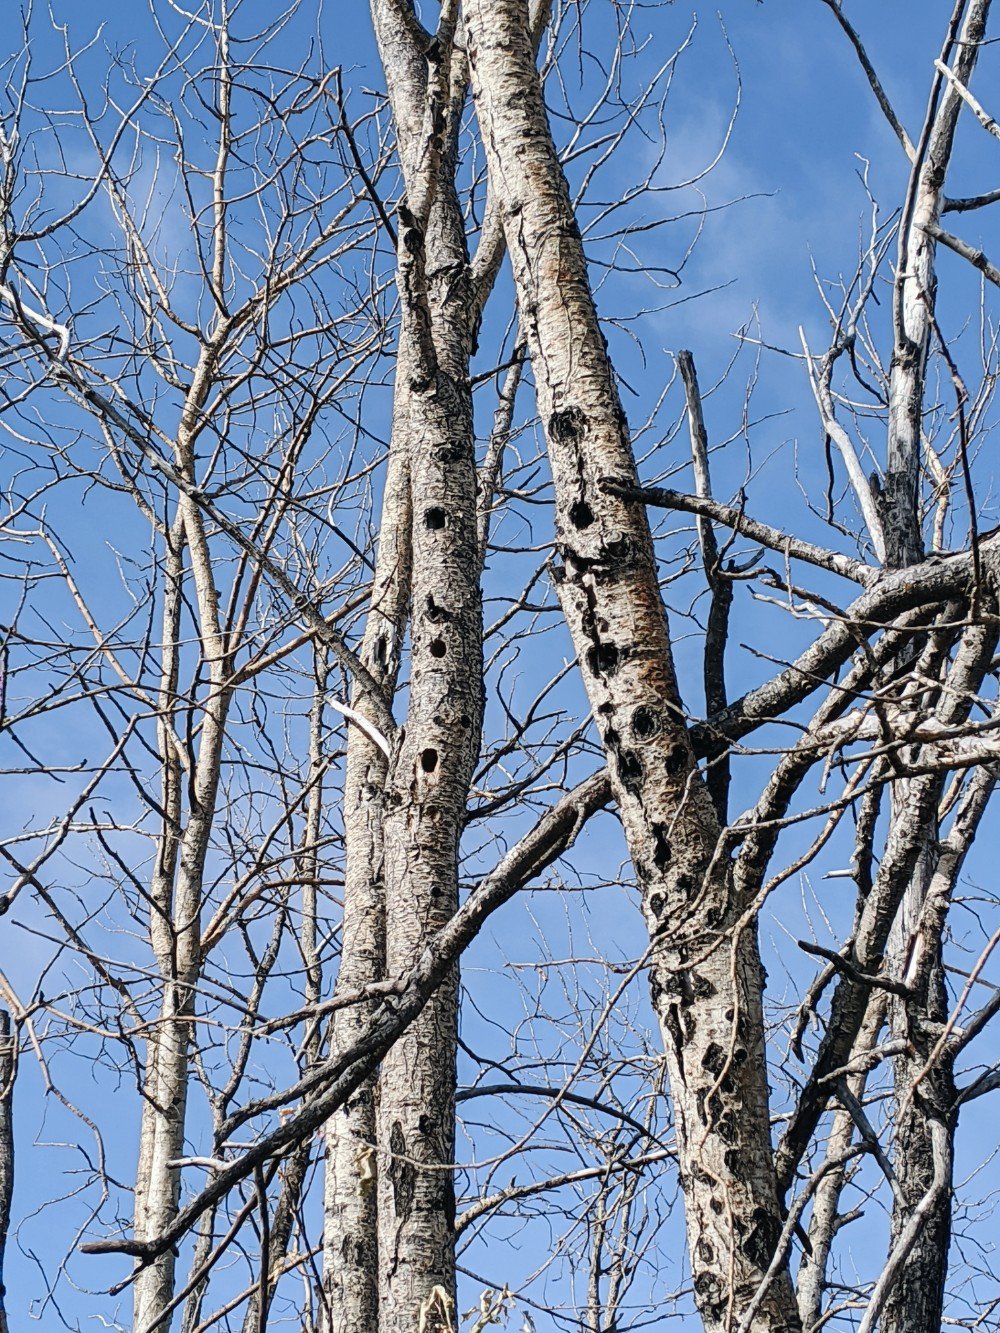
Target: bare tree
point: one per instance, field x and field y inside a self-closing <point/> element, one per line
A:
<point x="344" y="598"/>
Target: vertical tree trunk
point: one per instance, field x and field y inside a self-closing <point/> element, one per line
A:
<point x="296" y="1166"/>
<point x="409" y="822"/>
<point x="914" y="296"/>
<point x="175" y="928"/>
<point x="429" y="784"/>
<point x="706" y="980"/>
<point x="350" y="1234"/>
<point x="924" y="1117"/>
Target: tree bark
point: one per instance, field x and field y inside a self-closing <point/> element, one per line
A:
<point x="175" y="919"/>
<point x="413" y="831"/>
<point x="429" y="783"/>
<point x="350" y="1228"/>
<point x="924" y="1108"/>
<point x="707" y="979"/>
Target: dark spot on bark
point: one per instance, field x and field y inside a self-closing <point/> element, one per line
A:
<point x="645" y="722"/>
<point x="656" y="901"/>
<point x="619" y="551"/>
<point x="448" y="453"/>
<point x="716" y="1206"/>
<point x="401" y="1174"/>
<point x="701" y="987"/>
<point x="581" y="515"/>
<point x="673" y="984"/>
<point x="708" y="1290"/>
<point x="428" y="760"/>
<point x="380" y="650"/>
<point x="603" y="659"/>
<point x="629" y="769"/>
<point x="662" y="851"/>
<point x="675" y="759"/>
<point x="605" y="709"/>
<point x="725" y="1127"/>
<point x="714" y="1058"/>
<point x="765" y="1232"/>
<point x="734" y="1162"/>
<point x="434" y="518"/>
<point x="437" y="647"/>
<point x="706" y="1252"/>
<point x="568" y="426"/>
<point x="684" y="883"/>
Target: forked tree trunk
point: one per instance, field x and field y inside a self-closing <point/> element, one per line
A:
<point x="404" y="819"/>
<point x="706" y="979"/>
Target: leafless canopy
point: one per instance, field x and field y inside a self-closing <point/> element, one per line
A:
<point x="367" y="569"/>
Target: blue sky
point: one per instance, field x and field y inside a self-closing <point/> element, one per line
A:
<point x="792" y="170"/>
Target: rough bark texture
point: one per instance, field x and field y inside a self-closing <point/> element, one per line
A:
<point x="707" y="982"/>
<point x="350" y="1235"/>
<point x="415" y="834"/>
<point x="427" y="798"/>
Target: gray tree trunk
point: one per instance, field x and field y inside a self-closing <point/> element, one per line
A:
<point x="175" y="918"/>
<point x="350" y="1228"/>
<point x="706" y="974"/>
<point x="404" y="818"/>
<point x="925" y="1094"/>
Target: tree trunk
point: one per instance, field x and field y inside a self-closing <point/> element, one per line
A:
<point x="175" y="927"/>
<point x="350" y="1227"/>
<point x="428" y="795"/>
<point x="412" y="832"/>
<point x="707" y="979"/>
<point x="924" y="1117"/>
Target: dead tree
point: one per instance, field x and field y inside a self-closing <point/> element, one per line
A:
<point x="378" y="599"/>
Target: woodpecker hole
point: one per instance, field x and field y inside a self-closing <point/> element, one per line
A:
<point x="581" y="515"/>
<point x="603" y="659"/>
